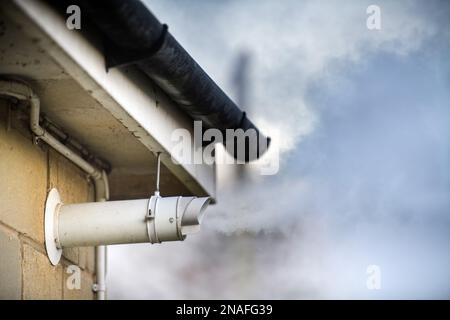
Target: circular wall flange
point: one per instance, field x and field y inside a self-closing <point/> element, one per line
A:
<point x="50" y="224"/>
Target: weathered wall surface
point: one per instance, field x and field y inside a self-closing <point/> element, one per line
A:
<point x="27" y="173"/>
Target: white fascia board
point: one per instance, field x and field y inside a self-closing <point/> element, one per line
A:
<point x="129" y="96"/>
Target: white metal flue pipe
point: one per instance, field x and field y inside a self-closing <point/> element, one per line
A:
<point x="153" y="220"/>
<point x="102" y="223"/>
<point x="21" y="91"/>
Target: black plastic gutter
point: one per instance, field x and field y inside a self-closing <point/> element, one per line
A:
<point x="133" y="35"/>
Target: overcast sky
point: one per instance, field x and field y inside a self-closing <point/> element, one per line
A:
<point x="363" y="116"/>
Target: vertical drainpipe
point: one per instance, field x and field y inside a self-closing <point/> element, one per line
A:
<point x="101" y="195"/>
<point x="21" y="91"/>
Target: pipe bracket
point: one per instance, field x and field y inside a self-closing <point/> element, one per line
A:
<point x="98" y="288"/>
<point x="150" y="219"/>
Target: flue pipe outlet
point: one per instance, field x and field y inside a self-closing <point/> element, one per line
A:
<point x="153" y="220"/>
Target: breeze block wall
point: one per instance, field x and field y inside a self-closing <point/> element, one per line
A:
<point x="27" y="172"/>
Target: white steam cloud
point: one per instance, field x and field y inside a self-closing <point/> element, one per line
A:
<point x="364" y="153"/>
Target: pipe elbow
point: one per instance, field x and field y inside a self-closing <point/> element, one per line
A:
<point x="101" y="185"/>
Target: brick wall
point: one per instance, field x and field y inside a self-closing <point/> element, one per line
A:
<point x="27" y="173"/>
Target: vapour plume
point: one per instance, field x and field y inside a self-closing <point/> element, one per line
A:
<point x="363" y="122"/>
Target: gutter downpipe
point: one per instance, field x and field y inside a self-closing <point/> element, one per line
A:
<point x="22" y="92"/>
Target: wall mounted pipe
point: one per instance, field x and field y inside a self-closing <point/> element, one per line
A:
<point x="20" y="91"/>
<point x="155" y="220"/>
